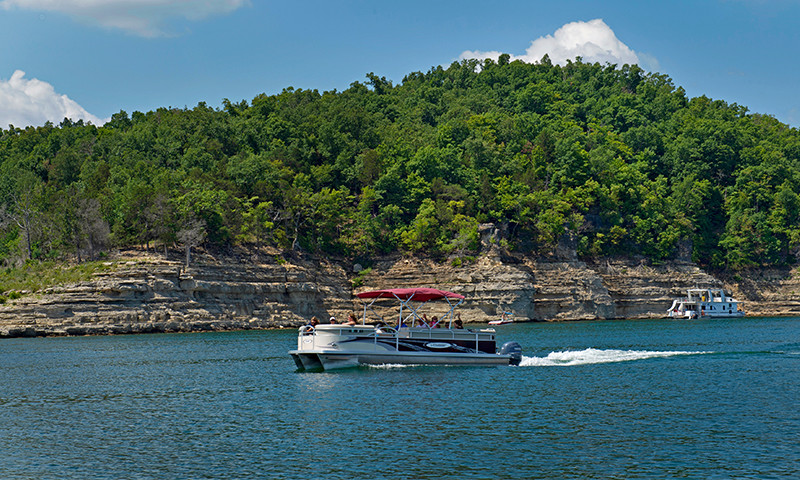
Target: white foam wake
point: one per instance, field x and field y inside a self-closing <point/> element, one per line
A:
<point x="390" y="366"/>
<point x="593" y="355"/>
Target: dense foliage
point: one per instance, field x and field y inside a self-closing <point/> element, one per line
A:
<point x="616" y="159"/>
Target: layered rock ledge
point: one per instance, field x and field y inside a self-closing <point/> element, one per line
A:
<point x="147" y="294"/>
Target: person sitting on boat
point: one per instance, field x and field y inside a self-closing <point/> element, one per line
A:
<point x="458" y="322"/>
<point x="313" y="322"/>
<point x="332" y="320"/>
<point x="423" y="322"/>
<point x="351" y="319"/>
<point x="435" y="322"/>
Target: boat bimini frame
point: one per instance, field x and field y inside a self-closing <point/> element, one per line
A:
<point x="405" y="296"/>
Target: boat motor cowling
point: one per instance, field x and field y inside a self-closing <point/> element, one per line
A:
<point x="514" y="349"/>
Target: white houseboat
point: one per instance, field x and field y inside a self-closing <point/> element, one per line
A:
<point x="705" y="303"/>
<point x="408" y="340"/>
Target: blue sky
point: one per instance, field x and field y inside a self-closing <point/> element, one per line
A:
<point x="93" y="58"/>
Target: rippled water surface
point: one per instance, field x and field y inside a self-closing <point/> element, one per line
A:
<point x="612" y="399"/>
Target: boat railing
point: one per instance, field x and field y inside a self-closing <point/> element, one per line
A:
<point x="705" y="300"/>
<point x="307" y="338"/>
<point x="449" y="333"/>
<point x="461" y="334"/>
<point x="387" y="333"/>
<point x="308" y="334"/>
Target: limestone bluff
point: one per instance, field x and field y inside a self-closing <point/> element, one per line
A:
<point x="148" y="293"/>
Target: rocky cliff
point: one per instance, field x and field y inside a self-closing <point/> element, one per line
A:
<point x="148" y="293"/>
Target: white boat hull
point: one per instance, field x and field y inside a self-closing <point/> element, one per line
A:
<point x="327" y="360"/>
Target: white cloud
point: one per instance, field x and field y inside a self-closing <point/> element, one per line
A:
<point x="593" y="41"/>
<point x="140" y="17"/>
<point x="34" y="102"/>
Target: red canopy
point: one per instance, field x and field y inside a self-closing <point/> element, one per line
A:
<point x="414" y="294"/>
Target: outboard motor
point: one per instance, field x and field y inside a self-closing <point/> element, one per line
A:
<point x="514" y="349"/>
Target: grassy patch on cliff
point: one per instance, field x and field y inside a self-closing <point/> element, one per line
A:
<point x="36" y="276"/>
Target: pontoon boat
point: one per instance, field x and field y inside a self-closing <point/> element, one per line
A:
<point x="332" y="346"/>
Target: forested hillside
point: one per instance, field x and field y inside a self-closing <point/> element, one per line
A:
<point x="617" y="158"/>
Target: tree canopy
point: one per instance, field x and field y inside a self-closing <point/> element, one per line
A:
<point x="615" y="158"/>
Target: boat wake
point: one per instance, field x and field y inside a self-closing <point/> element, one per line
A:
<point x="592" y="356"/>
<point x="390" y="366"/>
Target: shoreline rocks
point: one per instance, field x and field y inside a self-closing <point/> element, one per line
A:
<point x="153" y="294"/>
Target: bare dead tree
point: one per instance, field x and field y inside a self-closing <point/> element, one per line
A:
<point x="192" y="234"/>
<point x="24" y="214"/>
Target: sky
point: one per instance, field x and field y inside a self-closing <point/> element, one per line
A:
<point x="89" y="59"/>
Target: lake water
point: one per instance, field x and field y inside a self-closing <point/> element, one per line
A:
<point x="608" y="399"/>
